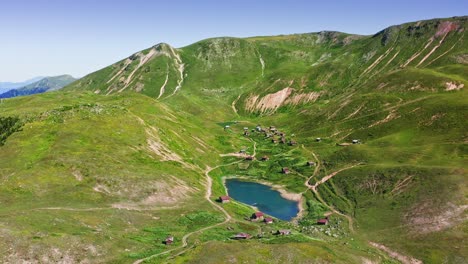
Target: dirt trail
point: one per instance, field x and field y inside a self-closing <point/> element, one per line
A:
<point x="75" y="209"/>
<point x="233" y="105"/>
<point x="208" y="186"/>
<point x="228" y="217"/>
<point x="316" y="170"/>
<point x="242" y="155"/>
<point x="328" y="177"/>
<point x="349" y="218"/>
<point x="398" y="256"/>
<point x="104" y="208"/>
<point x="262" y="62"/>
<point x="313" y="188"/>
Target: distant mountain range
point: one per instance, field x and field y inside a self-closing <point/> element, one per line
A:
<point x="41" y="85"/>
<point x="6" y="86"/>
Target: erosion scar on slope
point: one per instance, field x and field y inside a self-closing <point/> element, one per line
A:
<point x="127" y="62"/>
<point x="386" y="64"/>
<point x="377" y="61"/>
<point x="398" y="256"/>
<point x="143" y="61"/>
<point x="161" y="91"/>
<point x="180" y="69"/>
<point x="262" y="62"/>
<point x="447" y="51"/>
<point x="433" y="49"/>
<point x="233" y="105"/>
<point x="418" y="53"/>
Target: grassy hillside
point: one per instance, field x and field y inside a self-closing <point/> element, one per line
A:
<point x="126" y="156"/>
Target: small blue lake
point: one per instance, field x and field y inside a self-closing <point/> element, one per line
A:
<point x="263" y="197"/>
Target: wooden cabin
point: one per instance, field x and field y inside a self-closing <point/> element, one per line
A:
<point x="257" y="216"/>
<point x="242" y="236"/>
<point x="250" y="157"/>
<point x="285" y="170"/>
<point x="224" y="199"/>
<point x="323" y="221"/>
<point x="268" y="220"/>
<point x="169" y="240"/>
<point x="283" y="232"/>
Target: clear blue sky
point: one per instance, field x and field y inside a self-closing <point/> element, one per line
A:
<point x="51" y="37"/>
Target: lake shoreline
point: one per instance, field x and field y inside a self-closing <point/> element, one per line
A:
<point x="295" y="197"/>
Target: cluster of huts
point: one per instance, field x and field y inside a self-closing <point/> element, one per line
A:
<point x="272" y="132"/>
<point x="276" y="137"/>
<point x="255" y="217"/>
<point x="261" y="217"/>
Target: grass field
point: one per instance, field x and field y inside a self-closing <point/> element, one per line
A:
<point x="105" y="169"/>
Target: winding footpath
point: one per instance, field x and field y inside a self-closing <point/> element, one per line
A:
<point x="314" y="187"/>
<point x="228" y="217"/>
<point x="208" y="185"/>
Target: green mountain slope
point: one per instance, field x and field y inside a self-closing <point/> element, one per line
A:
<point x="135" y="152"/>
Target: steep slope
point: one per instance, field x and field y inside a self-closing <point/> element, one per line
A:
<point x="41" y="86"/>
<point x="128" y="155"/>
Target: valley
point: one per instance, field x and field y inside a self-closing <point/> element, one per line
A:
<point x="365" y="132"/>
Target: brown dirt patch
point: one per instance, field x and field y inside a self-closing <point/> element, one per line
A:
<point x="428" y="217"/>
<point x="302" y="98"/>
<point x="268" y="102"/>
<point x="462" y="58"/>
<point x="168" y="192"/>
<point x="391" y="116"/>
<point x="446" y="27"/>
<point x="398" y="256"/>
<point x="451" y="86"/>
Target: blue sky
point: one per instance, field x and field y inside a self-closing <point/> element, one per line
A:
<point x="52" y="37"/>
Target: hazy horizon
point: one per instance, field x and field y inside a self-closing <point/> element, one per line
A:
<point x="48" y="38"/>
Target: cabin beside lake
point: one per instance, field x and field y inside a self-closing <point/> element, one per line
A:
<point x="224" y="199"/>
<point x="257" y="216"/>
